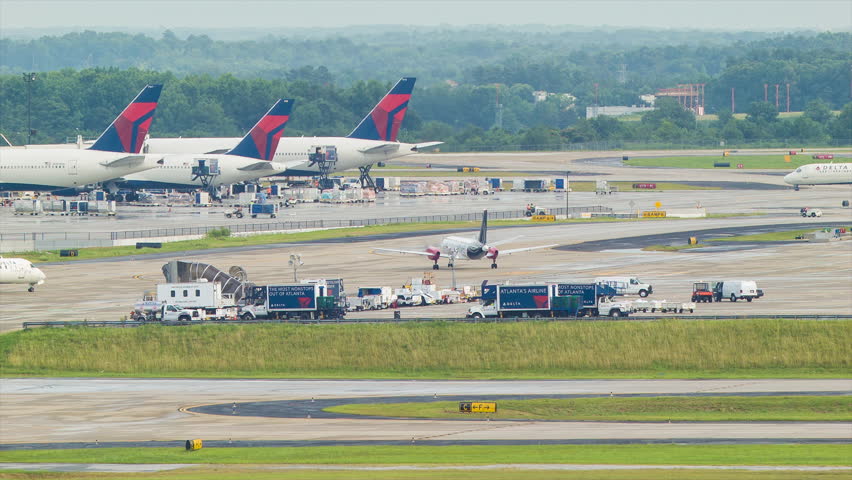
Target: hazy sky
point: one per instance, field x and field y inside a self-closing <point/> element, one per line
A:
<point x="755" y="15"/>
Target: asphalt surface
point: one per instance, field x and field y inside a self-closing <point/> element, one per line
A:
<point x="314" y="408"/>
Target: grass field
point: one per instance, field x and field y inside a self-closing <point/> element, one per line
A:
<point x="716" y="409"/>
<point x="628" y="349"/>
<point x="232" y="472"/>
<point x="802" y="454"/>
<point x="775" y="161"/>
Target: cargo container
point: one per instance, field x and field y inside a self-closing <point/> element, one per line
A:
<point x="534" y="185"/>
<point x="496" y="183"/>
<point x="27" y="207"/>
<point x="270" y="209"/>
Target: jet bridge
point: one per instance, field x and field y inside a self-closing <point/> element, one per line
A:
<point x="235" y="282"/>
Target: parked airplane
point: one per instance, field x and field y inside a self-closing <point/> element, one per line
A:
<point x="466" y="248"/>
<point x="373" y="140"/>
<point x="820" y="174"/>
<point x="44" y="169"/>
<point x="18" y="270"/>
<point x="251" y="159"/>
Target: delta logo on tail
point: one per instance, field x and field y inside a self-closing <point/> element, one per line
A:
<point x="384" y="120"/>
<point x="127" y="133"/>
<point x="262" y="141"/>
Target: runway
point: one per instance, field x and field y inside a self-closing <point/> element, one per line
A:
<point x="92" y="410"/>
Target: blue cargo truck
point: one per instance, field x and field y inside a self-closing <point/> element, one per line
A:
<point x="291" y="301"/>
<point x="550" y="300"/>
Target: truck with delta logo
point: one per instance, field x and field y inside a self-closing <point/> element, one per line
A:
<point x="548" y="300"/>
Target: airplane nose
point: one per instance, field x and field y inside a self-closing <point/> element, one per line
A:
<point x="788" y="178"/>
<point x="41" y="276"/>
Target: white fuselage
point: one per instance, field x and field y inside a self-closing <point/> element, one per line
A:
<point x="350" y="151"/>
<point x="461" y="247"/>
<point x="18" y="270"/>
<point x="51" y="169"/>
<point x="821" y="174"/>
<point x="176" y="171"/>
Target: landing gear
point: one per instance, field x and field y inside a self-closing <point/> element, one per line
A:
<point x="450" y="265"/>
<point x="31" y="289"/>
<point x="436" y="267"/>
<point x="494" y="265"/>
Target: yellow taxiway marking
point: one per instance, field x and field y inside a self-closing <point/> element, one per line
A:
<point x="138" y="277"/>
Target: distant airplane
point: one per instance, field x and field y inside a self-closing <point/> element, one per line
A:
<point x="18" y="270"/>
<point x="373" y="140"/>
<point x="466" y="248"/>
<point x="251" y="159"/>
<point x="114" y="153"/>
<point x="820" y="174"/>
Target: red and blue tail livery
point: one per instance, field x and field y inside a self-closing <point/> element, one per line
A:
<point x="127" y="132"/>
<point x="383" y="122"/>
<point x="262" y="140"/>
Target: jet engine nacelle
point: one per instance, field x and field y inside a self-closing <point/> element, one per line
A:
<point x="492" y="253"/>
<point x="434" y="253"/>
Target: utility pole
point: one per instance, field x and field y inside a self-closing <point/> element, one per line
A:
<point x="567" y="215"/>
<point x="29" y="78"/>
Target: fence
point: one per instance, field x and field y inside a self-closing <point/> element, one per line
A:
<point x="278" y="226"/>
<point x="133" y="323"/>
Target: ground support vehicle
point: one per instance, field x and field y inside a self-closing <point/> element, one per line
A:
<point x="234" y="212"/>
<point x="663" y="306"/>
<point x="736" y="290"/>
<point x="702" y="292"/>
<point x="405" y="298"/>
<point x="627" y="285"/>
<point x="185" y="302"/>
<point x="374" y="298"/>
<point x="291" y="301"/>
<point x="552" y="300"/>
<point x="810" y="212"/>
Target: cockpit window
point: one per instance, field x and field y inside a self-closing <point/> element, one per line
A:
<point x="798" y="170"/>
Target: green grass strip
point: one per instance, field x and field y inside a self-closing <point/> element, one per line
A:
<point x="660" y="349"/>
<point x="774" y="161"/>
<point x="807" y="454"/>
<point x="795" y="408"/>
<point x="235" y="472"/>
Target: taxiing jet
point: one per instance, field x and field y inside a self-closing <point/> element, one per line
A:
<point x="466" y="248"/>
<point x="373" y="140"/>
<point x="250" y="159"/>
<point x="114" y="153"/>
<point x="18" y="270"/>
<point x="820" y="174"/>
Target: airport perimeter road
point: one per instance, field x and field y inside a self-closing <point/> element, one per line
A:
<point x="36" y="410"/>
<point x="798" y="279"/>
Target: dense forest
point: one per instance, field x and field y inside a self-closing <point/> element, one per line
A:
<point x="220" y="87"/>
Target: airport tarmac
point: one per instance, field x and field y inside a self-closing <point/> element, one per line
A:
<point x="51" y="410"/>
<point x="813" y="278"/>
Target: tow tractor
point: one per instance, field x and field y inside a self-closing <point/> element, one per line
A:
<point x="810" y="212"/>
<point x="234" y="212"/>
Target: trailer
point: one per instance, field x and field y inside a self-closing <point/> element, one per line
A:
<point x="663" y="306"/>
<point x="291" y="301"/>
<point x="549" y="300"/>
<point x="186" y="301"/>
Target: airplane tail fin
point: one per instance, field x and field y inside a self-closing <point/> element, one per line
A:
<point x="127" y="132"/>
<point x="384" y="120"/>
<point x="483" y="230"/>
<point x="262" y="140"/>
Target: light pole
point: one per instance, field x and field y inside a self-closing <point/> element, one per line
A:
<point x="29" y="78"/>
<point x="295" y="262"/>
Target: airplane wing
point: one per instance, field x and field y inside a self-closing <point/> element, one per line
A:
<point x="422" y="146"/>
<point x="383" y="148"/>
<point x="526" y="249"/>
<point x="413" y="252"/>
<point x="127" y="161"/>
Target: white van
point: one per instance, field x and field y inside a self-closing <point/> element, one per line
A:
<point x="737" y="289"/>
<point x="627" y="285"/>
